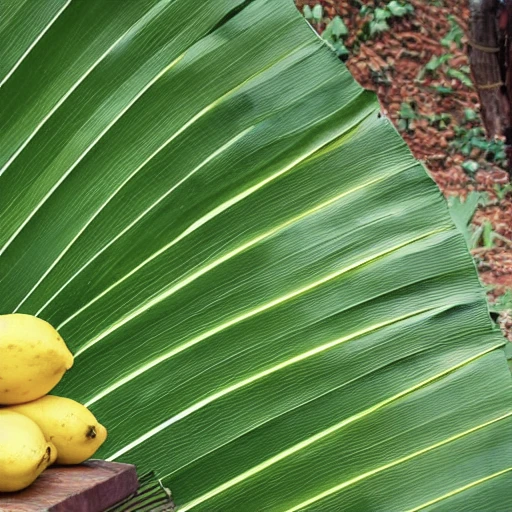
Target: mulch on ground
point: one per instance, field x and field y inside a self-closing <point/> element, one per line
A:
<point x="392" y="64"/>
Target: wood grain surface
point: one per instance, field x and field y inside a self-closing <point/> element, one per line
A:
<point x="89" y="487"/>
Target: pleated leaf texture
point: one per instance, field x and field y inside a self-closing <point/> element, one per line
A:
<point x="268" y="302"/>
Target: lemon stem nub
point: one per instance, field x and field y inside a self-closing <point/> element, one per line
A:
<point x="91" y="433"/>
<point x="46" y="457"/>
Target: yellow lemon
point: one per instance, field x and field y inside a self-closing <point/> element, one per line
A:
<point x="69" y="425"/>
<point x="24" y="451"/>
<point x="34" y="358"/>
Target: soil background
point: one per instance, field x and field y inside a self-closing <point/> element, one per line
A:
<point x="392" y="63"/>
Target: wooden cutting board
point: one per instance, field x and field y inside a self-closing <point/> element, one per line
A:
<point x="89" y="487"/>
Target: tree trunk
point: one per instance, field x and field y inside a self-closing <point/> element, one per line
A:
<point x="484" y="58"/>
<point x="489" y="58"/>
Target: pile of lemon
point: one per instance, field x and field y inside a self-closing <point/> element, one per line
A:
<point x="37" y="429"/>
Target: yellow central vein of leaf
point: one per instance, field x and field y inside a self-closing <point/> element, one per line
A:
<point x="265" y="373"/>
<point x="331" y="430"/>
<point x="369" y="474"/>
<point x="196" y="225"/>
<point x="184" y="282"/>
<point x="148" y="16"/>
<point x="89" y="148"/>
<point x="460" y="489"/>
<point x="36" y="40"/>
<point x="245" y="316"/>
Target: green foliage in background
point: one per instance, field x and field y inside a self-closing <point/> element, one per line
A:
<point x="334" y="32"/>
<point x="379" y="18"/>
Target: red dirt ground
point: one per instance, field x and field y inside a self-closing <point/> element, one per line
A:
<point x="389" y="64"/>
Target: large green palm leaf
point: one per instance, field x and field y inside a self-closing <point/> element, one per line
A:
<point x="267" y="300"/>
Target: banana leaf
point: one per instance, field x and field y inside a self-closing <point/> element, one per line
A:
<point x="268" y="302"/>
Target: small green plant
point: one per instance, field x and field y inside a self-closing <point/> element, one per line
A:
<point x="461" y="74"/>
<point x="379" y="23"/>
<point x="501" y="312"/>
<point x="433" y="65"/>
<point x="441" y="64"/>
<point x="443" y="90"/>
<point x="502" y="191"/>
<point x="454" y="35"/>
<point x="470" y="115"/>
<point x="380" y="17"/>
<point x="487" y="235"/>
<point x="462" y="213"/>
<point x="470" y="166"/>
<point x="313" y="15"/>
<point x="502" y="303"/>
<point x="440" y="121"/>
<point x="407" y="116"/>
<point x="334" y="32"/>
<point x="399" y="9"/>
<point x="467" y="138"/>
